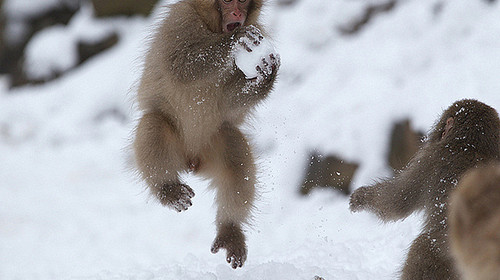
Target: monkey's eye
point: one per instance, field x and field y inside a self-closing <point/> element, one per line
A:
<point x="242" y="1"/>
<point x="227" y="1"/>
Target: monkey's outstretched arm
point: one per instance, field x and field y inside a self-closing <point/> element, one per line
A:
<point x="389" y="200"/>
<point x="395" y="198"/>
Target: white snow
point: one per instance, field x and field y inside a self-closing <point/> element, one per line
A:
<point x="28" y="8"/>
<point x="51" y="51"/>
<point x="70" y="209"/>
<point x="54" y="49"/>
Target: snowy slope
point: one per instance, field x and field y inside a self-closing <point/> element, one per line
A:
<point x="70" y="209"/>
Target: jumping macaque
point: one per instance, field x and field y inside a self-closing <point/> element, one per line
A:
<point x="475" y="223"/>
<point x="466" y="135"/>
<point x="193" y="96"/>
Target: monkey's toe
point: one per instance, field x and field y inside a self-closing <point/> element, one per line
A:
<point x="177" y="196"/>
<point x="236" y="251"/>
<point x="236" y="259"/>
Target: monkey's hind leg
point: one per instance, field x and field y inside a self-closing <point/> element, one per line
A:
<point x="229" y="162"/>
<point x="159" y="158"/>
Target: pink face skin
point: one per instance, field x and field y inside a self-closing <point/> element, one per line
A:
<point x="234" y="13"/>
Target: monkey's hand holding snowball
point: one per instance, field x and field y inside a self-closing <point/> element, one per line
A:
<point x="256" y="56"/>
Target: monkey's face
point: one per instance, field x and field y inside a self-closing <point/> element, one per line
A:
<point x="234" y="13"/>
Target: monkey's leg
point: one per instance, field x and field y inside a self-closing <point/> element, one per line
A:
<point x="230" y="163"/>
<point x="159" y="157"/>
<point x="428" y="259"/>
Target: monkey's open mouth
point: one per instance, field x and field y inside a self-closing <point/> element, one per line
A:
<point x="232" y="26"/>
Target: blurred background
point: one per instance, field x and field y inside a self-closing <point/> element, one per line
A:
<point x="361" y="83"/>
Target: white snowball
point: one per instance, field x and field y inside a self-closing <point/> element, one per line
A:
<point x="248" y="61"/>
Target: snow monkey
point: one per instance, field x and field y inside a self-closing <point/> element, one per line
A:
<point x="193" y="96"/>
<point x="475" y="223"/>
<point x="466" y="135"/>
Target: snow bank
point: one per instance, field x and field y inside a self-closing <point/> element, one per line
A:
<point x="69" y="208"/>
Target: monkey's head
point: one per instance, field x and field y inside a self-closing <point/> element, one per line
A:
<point x="471" y="121"/>
<point x="478" y="195"/>
<point x="225" y="16"/>
<point x="474" y="224"/>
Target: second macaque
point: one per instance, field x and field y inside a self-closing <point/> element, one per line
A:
<point x="475" y="223"/>
<point x="209" y="64"/>
<point x="466" y="135"/>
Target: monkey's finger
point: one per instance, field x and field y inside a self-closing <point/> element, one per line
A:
<point x="275" y="58"/>
<point x="264" y="62"/>
<point x="235" y="261"/>
<point x="245" y="46"/>
<point x="239" y="261"/>
<point x="356" y="202"/>
<point x="234" y="264"/>
<point x="177" y="207"/>
<point x="185" y="204"/>
<point x="187" y="190"/>
<point x="269" y="66"/>
<point x="275" y="61"/>
<point x="259" y="70"/>
<point x="272" y="57"/>
<point x="254" y="31"/>
<point x="258" y="34"/>
<point x="253" y="38"/>
<point x="353" y="208"/>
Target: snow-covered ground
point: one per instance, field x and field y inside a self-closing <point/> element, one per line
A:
<point x="71" y="209"/>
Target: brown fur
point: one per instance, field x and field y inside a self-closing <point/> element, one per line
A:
<point x="466" y="134"/>
<point x="193" y="99"/>
<point x="475" y="223"/>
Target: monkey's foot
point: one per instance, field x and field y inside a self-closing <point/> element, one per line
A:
<point x="359" y="199"/>
<point x="176" y="196"/>
<point x="231" y="238"/>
